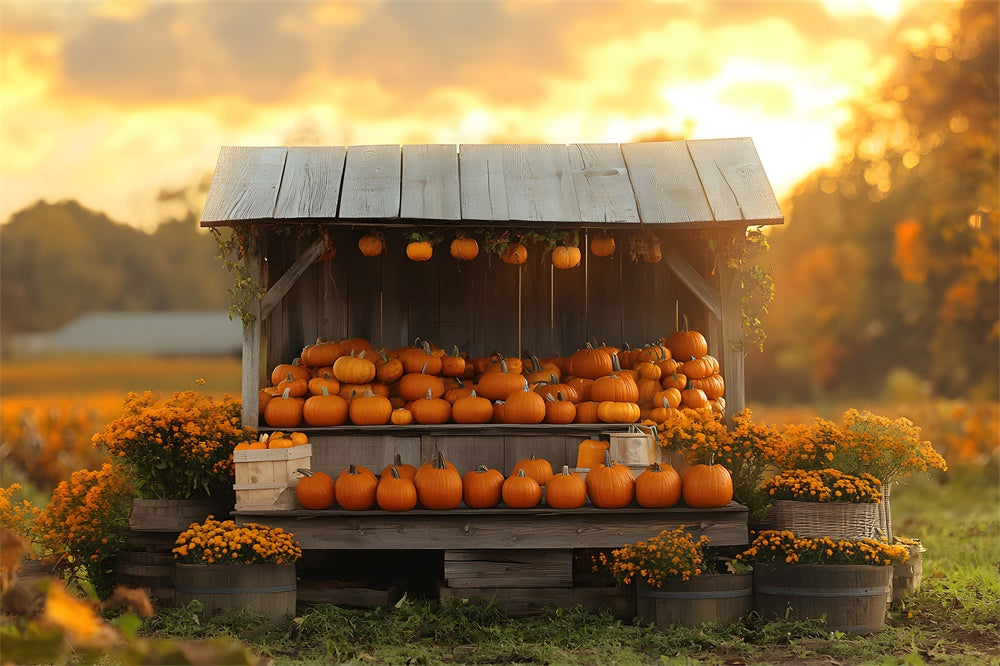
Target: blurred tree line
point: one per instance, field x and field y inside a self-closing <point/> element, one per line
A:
<point x="886" y="270"/>
<point x="59" y="261"/>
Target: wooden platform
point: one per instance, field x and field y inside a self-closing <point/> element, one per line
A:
<point x="500" y="528"/>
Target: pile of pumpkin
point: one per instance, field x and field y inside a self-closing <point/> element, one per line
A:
<point x="348" y="381"/>
<point x="274" y="440"/>
<point x="438" y="485"/>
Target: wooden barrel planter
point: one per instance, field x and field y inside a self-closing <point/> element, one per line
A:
<point x="723" y="598"/>
<point x="837" y="520"/>
<point x="851" y="598"/>
<point x="906" y="577"/>
<point x="172" y="515"/>
<point x="152" y="571"/>
<point x="268" y="589"/>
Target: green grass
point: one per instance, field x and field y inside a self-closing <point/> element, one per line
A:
<point x="953" y="619"/>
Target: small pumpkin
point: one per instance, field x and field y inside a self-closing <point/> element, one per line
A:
<point x="283" y="411"/>
<point x="707" y="486"/>
<point x="439" y="486"/>
<point x="566" y="490"/>
<point x="566" y="256"/>
<point x="409" y="471"/>
<point x="539" y="469"/>
<point x="693" y="398"/>
<point x="686" y="343"/>
<point x="371" y="245"/>
<point x="369" y="409"/>
<point x="520" y="491"/>
<point x="658" y="487"/>
<point x="515" y="253"/>
<point x="602" y="245"/>
<point x="297" y="386"/>
<point x="353" y="370"/>
<point x="355" y="490"/>
<point x="586" y="412"/>
<point x="524" y="406"/>
<point x="464" y="248"/>
<point x="419" y="250"/>
<point x="430" y="410"/>
<point x="282" y="370"/>
<point x="315" y="490"/>
<point x="325" y="409"/>
<point x="610" y="485"/>
<point x="401" y="416"/>
<point x="482" y="487"/>
<point x="395" y="492"/>
<point x="558" y="409"/>
<point x="472" y="408"/>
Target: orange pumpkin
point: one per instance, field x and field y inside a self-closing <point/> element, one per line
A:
<point x="610" y="485"/>
<point x="315" y="490"/>
<point x="472" y="409"/>
<point x="602" y="245"/>
<point x="419" y="250"/>
<point x="566" y="490"/>
<point x="395" y="492"/>
<point x="438" y="486"/>
<point x="520" y="491"/>
<point x="355" y="490"/>
<point x="539" y="469"/>
<point x="325" y="410"/>
<point x="566" y="256"/>
<point x="482" y="487"/>
<point x="658" y="487"/>
<point x="707" y="486"/>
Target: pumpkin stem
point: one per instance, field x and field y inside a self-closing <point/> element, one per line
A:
<point x="655" y="467"/>
<point x="429" y="394"/>
<point x="352" y="469"/>
<point x="395" y="472"/>
<point x="482" y="468"/>
<point x="397" y="460"/>
<point x="616" y="366"/>
<point x="565" y="470"/>
<point x="286" y="394"/>
<point x="325" y="392"/>
<point x="305" y="472"/>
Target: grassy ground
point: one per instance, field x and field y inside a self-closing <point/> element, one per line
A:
<point x="954" y="618"/>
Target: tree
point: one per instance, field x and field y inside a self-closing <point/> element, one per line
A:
<point x="889" y="261"/>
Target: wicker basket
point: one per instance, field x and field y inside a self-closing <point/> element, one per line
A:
<point x="837" y="520"/>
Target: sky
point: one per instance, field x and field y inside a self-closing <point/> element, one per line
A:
<point x="110" y="102"/>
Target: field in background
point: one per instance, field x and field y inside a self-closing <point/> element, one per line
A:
<point x="50" y="408"/>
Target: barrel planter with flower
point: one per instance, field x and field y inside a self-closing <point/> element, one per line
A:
<point x="676" y="584"/>
<point x="229" y="567"/>
<point x="843" y="582"/>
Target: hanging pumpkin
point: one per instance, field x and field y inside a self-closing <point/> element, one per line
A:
<point x="439" y="487"/>
<point x="515" y="253"/>
<point x="602" y="245"/>
<point x="566" y="490"/>
<point x="658" y="487"/>
<point x="566" y="256"/>
<point x="315" y="490"/>
<point x="610" y="485"/>
<point x="464" y="248"/>
<point x="419" y="250"/>
<point x="395" y="492"/>
<point x="482" y="487"/>
<point x="707" y="486"/>
<point x="654" y="252"/>
<point x="372" y="244"/>
<point x="355" y="490"/>
<point x="520" y="491"/>
<point x="539" y="469"/>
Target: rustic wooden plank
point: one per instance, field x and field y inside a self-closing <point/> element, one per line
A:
<point x="509" y="568"/>
<point x="430" y="183"/>
<point x="371" y="183"/>
<point x="527" y="601"/>
<point x="733" y="352"/>
<point x="539" y="182"/>
<point x="310" y="186"/>
<point x="665" y="182"/>
<point x="734" y="181"/>
<point x="315" y="592"/>
<point x="290" y="277"/>
<point x="693" y="280"/>
<point x="252" y="372"/>
<point x="558" y="450"/>
<point x="331" y="454"/>
<point x="499" y="528"/>
<point x="245" y="185"/>
<point x="603" y="190"/>
<point x="483" y="188"/>
<point x="466" y="452"/>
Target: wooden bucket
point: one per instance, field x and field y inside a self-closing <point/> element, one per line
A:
<point x="723" y="598"/>
<point x="851" y="598"/>
<point x="268" y="589"/>
<point x="152" y="571"/>
<point x="906" y="577"/>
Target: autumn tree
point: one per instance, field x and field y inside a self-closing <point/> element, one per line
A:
<point x="889" y="262"/>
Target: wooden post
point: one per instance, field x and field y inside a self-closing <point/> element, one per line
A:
<point x="252" y="337"/>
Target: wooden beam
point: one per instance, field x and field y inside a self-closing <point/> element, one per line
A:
<point x="429" y="189"/>
<point x="371" y="187"/>
<point x="250" y="381"/>
<point x="693" y="280"/>
<point x="310" y="186"/>
<point x="732" y="341"/>
<point x="245" y="185"/>
<point x="294" y="272"/>
<point x="734" y="181"/>
<point x="603" y="189"/>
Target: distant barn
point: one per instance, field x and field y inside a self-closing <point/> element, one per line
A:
<point x="166" y="333"/>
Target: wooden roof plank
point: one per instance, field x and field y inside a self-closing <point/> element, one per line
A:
<point x="371" y="188"/>
<point x="734" y="180"/>
<point x="310" y="187"/>
<point x="430" y="186"/>
<point x="482" y="184"/>
<point x="603" y="190"/>
<point x="539" y="183"/>
<point x="665" y="182"/>
<point x="245" y="184"/>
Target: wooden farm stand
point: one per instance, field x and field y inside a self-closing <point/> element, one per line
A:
<point x="292" y="202"/>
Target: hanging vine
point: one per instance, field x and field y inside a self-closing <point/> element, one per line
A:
<point x="232" y="251"/>
<point x="745" y="255"/>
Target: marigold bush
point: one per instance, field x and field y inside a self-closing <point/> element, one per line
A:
<point x="669" y="554"/>
<point x="225" y="542"/>
<point x="180" y="448"/>
<point x="824" y="485"/>
<point x="785" y="547"/>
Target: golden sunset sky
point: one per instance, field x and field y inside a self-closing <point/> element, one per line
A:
<point x="109" y="102"/>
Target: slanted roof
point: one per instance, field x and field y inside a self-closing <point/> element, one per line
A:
<point x="697" y="183"/>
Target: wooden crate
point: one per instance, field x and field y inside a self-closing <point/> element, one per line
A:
<point x="508" y="568"/>
<point x="266" y="478"/>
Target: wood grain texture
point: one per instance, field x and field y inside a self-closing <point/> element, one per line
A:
<point x="245" y="185"/>
<point x="483" y="184"/>
<point x="371" y="183"/>
<point x="693" y="280"/>
<point x="734" y="180"/>
<point x="290" y="277"/>
<point x="539" y="183"/>
<point x="499" y="528"/>
<point x="527" y="601"/>
<point x="509" y="568"/>
<point x="310" y="186"/>
<point x="603" y="189"/>
<point x="665" y="182"/>
<point x="430" y="188"/>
